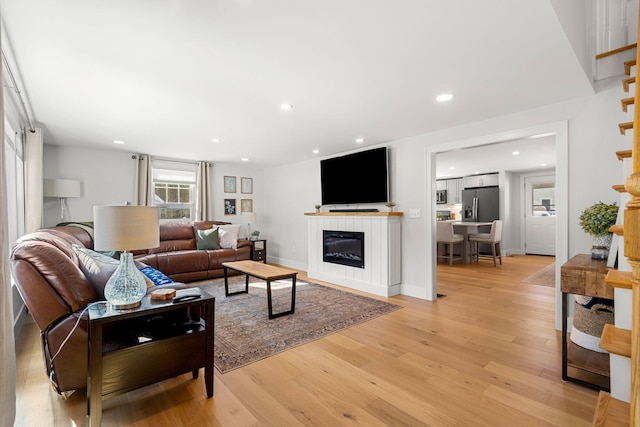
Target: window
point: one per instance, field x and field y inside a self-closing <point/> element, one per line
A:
<point x="543" y="197"/>
<point x="174" y="186"/>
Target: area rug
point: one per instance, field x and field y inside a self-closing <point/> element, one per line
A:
<point x="544" y="277"/>
<point x="244" y="334"/>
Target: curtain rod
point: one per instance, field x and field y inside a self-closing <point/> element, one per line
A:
<point x="17" y="91"/>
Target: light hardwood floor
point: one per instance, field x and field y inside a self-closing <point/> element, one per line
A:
<point x="485" y="354"/>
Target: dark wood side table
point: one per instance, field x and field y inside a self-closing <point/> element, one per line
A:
<point x="582" y="275"/>
<point x="129" y="349"/>
<point x="259" y="250"/>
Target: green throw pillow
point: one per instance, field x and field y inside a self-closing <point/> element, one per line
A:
<point x="208" y="239"/>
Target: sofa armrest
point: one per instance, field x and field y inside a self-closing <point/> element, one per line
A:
<point x="243" y="242"/>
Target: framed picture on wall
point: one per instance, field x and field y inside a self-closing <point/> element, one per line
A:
<point x="246" y="185"/>
<point x="229" y="206"/>
<point x="229" y="184"/>
<point x="246" y="205"/>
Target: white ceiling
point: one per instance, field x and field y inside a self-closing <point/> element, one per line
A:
<point x="532" y="154"/>
<point x="168" y="76"/>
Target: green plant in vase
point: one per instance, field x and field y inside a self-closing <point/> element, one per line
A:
<point x="390" y="205"/>
<point x="596" y="221"/>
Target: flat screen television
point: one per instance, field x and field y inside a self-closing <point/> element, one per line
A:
<point x="355" y="178"/>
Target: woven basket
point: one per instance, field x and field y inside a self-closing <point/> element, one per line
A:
<point x="589" y="318"/>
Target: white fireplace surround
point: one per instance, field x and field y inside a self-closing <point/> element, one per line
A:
<point x="381" y="274"/>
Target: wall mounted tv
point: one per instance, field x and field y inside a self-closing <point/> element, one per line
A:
<point x="355" y="178"/>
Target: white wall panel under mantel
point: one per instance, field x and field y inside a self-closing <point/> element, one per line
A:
<point x="381" y="274"/>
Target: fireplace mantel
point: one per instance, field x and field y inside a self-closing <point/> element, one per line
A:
<point x="354" y="213"/>
<point x="381" y="275"/>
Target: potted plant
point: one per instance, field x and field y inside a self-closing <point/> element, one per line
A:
<point x="318" y="208"/>
<point x="390" y="205"/>
<point x="596" y="221"/>
<point x="255" y="235"/>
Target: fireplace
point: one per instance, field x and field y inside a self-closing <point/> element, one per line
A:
<point x="343" y="247"/>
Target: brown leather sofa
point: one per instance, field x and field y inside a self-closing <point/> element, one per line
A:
<point x="55" y="290"/>
<point x="178" y="258"/>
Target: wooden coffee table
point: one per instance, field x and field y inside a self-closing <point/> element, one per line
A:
<point x="264" y="272"/>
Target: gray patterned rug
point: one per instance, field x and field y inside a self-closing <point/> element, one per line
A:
<point x="244" y="334"/>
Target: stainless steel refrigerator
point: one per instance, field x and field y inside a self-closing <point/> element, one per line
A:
<point x="481" y="204"/>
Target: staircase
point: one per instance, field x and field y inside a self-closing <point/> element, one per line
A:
<point x="621" y="407"/>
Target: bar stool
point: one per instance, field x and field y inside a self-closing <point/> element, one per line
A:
<point x="493" y="238"/>
<point x="447" y="237"/>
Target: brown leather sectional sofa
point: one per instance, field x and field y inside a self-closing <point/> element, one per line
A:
<point x="48" y="275"/>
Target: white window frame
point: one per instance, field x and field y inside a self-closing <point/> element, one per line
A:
<point x="174" y="172"/>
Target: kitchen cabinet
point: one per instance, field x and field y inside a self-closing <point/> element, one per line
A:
<point x="441" y="184"/>
<point x="454" y="190"/>
<point x="486" y="180"/>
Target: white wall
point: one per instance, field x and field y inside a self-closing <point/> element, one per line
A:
<point x="108" y="176"/>
<point x="290" y="191"/>
<point x="593" y="165"/>
<point x="219" y="171"/>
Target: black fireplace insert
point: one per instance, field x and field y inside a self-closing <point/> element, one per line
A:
<point x="343" y="247"/>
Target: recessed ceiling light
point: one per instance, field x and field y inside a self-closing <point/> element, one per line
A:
<point x="452" y="168"/>
<point x="245" y="159"/>
<point x="117" y="141"/>
<point x="476" y="172"/>
<point x="444" y="97"/>
<point x="543" y="164"/>
<point x="359" y="140"/>
<point x="286" y="106"/>
<point x="515" y="153"/>
<point x="316" y="151"/>
<point x="215" y="140"/>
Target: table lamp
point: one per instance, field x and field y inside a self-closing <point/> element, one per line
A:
<point x="125" y="228"/>
<point x="249" y="218"/>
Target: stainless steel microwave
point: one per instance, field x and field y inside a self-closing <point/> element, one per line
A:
<point x="441" y="197"/>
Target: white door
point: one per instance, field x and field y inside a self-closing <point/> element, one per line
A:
<point x="540" y="215"/>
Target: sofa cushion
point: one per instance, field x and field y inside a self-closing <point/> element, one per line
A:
<point x="171" y="263"/>
<point x="98" y="268"/>
<point x="208" y="239"/>
<point x="229" y="236"/>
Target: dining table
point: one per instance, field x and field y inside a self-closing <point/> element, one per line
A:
<point x="466" y="228"/>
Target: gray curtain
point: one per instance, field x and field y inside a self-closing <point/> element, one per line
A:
<point x="7" y="341"/>
<point x="203" y="191"/>
<point x="143" y="192"/>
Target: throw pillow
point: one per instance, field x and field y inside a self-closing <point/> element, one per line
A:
<point x="98" y="268"/>
<point x="208" y="239"/>
<point x="156" y="276"/>
<point x="229" y="236"/>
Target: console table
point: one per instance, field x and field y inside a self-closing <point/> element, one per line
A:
<point x="129" y="349"/>
<point x="582" y="275"/>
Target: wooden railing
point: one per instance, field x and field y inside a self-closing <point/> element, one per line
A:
<point x="619" y="341"/>
<point x="632" y="252"/>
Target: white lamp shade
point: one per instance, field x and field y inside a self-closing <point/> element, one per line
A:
<point x="249" y="217"/>
<point x="125" y="228"/>
<point x="62" y="188"/>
